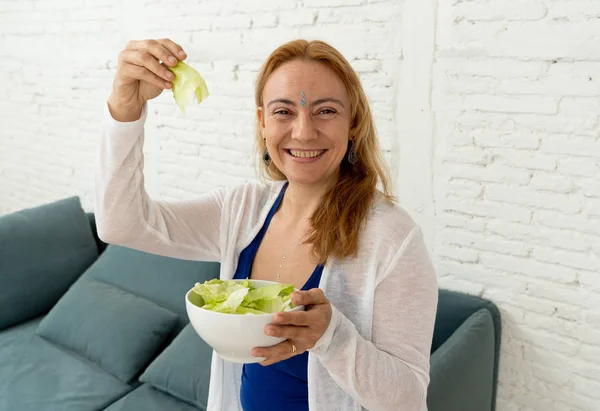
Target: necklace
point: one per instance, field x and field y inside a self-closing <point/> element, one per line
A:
<point x="280" y="266"/>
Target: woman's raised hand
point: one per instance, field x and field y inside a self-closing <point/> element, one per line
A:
<point x="141" y="75"/>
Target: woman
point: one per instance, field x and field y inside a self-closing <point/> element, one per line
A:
<point x="320" y="223"/>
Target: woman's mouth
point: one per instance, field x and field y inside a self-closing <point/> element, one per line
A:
<point x="305" y="154"/>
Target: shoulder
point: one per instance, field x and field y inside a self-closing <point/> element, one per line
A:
<point x="389" y="222"/>
<point x="253" y="194"/>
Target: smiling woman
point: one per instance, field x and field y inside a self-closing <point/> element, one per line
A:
<point x="323" y="220"/>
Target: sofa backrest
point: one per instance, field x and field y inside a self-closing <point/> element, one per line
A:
<point x="162" y="280"/>
<point x="453" y="309"/>
<point x="43" y="250"/>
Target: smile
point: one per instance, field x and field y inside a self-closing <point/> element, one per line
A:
<point x="306" y="153"/>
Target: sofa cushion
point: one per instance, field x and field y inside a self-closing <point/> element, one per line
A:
<point x="43" y="250"/>
<point x="183" y="369"/>
<point x="115" y="329"/>
<point x="147" y="398"/>
<point x="36" y="375"/>
<point x="160" y="279"/>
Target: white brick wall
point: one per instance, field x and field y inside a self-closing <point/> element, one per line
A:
<point x="515" y="102"/>
<point x="488" y="112"/>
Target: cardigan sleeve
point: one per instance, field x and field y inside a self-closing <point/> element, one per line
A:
<point x="391" y="372"/>
<point x="127" y="216"/>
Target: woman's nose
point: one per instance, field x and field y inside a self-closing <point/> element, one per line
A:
<point x="304" y="129"/>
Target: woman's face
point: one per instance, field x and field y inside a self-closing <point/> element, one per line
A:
<point x="305" y="121"/>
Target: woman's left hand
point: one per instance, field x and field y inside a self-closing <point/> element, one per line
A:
<point x="301" y="328"/>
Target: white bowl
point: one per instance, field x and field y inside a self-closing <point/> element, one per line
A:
<point x="233" y="336"/>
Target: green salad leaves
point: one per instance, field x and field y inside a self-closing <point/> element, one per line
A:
<point x="187" y="83"/>
<point x="233" y="297"/>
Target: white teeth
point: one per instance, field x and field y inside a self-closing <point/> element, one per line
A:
<point x="306" y="154"/>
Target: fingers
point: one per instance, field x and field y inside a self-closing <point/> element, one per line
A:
<point x="156" y="49"/>
<point x="136" y="72"/>
<point x="287" y="331"/>
<point x="313" y="296"/>
<point x="175" y="49"/>
<point x="301" y="318"/>
<point x="276" y="353"/>
<point x="145" y="60"/>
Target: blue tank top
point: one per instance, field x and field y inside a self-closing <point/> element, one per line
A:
<point x="284" y="385"/>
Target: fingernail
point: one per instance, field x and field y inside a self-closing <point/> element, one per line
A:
<point x="182" y="54"/>
<point x="270" y="331"/>
<point x="172" y="60"/>
<point x="167" y="84"/>
<point x="169" y="74"/>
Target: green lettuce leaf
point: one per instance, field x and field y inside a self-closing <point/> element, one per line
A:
<point x="233" y="297"/>
<point x="187" y="83"/>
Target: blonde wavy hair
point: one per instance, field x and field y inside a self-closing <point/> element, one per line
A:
<point x="336" y="223"/>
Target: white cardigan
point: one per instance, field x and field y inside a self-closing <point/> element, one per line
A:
<point x="375" y="353"/>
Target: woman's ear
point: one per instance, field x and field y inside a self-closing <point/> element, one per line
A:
<point x="260" y="117"/>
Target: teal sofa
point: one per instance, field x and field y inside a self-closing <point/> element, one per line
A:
<point x="88" y="326"/>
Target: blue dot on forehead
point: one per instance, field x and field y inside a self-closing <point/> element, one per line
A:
<point x="303" y="100"/>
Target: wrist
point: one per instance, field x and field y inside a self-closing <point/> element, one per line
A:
<point x="124" y="112"/>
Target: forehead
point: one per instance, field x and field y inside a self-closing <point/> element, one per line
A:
<point x="314" y="78"/>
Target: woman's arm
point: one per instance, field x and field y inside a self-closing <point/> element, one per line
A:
<point x="125" y="215"/>
<point x="391" y="372"/>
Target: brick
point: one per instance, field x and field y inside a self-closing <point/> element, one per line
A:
<point x="589" y="187"/>
<point x="232" y="21"/>
<point x="582" y="123"/>
<point x="502" y="139"/>
<point x="521" y="104"/>
<point x="491" y="278"/>
<point x="331" y="3"/>
<point x="490" y="174"/>
<point x="579" y="146"/>
<point x="470" y="223"/>
<point x="567" y="258"/>
<point x="527" y="267"/>
<point x="464" y="188"/>
<point x="459" y="254"/>
<point x="519" y="196"/>
<point x="522" y="159"/>
<point x="572" y="294"/>
<point x="590" y="280"/>
<point x="569" y="41"/>
<point x="552" y="182"/>
<point x="252" y="7"/>
<point x="295" y="18"/>
<point x="483" y="242"/>
<point x="592" y="208"/>
<point x="467" y="154"/>
<point x="575" y="10"/>
<point x="96" y="13"/>
<point x="488" y="209"/>
<point x="366" y="66"/>
<point x="499" y="11"/>
<point x="9" y="6"/>
<point x="587" y="386"/>
<point x="585" y="167"/>
<point x="541" y="235"/>
<point x="493" y="68"/>
<point x="265" y="20"/>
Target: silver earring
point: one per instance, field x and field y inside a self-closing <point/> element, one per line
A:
<point x="266" y="158"/>
<point x="352" y="156"/>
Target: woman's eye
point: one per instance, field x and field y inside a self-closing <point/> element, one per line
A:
<point x="281" y="112"/>
<point x="326" y="111"/>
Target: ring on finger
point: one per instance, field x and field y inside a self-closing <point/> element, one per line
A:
<point x="293" y="349"/>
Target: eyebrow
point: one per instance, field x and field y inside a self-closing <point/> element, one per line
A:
<point x="314" y="103"/>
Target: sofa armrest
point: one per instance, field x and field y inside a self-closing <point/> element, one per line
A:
<point x="463" y="369"/>
<point x="43" y="250"/>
